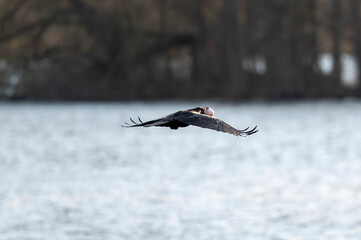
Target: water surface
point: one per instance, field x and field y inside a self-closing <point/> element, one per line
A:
<point x="69" y="171"/>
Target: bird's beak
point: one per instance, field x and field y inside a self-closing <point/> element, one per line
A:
<point x="209" y="112"/>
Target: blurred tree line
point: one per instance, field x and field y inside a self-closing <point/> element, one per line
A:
<point x="158" y="49"/>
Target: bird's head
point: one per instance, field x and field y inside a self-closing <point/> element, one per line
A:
<point x="208" y="111"/>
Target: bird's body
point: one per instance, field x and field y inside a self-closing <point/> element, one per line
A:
<point x="199" y="116"/>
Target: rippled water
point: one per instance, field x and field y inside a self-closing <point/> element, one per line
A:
<point x="69" y="171"/>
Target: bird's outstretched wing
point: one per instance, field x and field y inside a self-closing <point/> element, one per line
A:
<point x="152" y="123"/>
<point x="205" y="121"/>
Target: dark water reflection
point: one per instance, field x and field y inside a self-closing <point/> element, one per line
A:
<point x="71" y="172"/>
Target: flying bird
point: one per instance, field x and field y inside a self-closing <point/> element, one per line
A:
<point x="199" y="116"/>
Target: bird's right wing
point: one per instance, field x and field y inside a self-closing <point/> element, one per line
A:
<point x="213" y="123"/>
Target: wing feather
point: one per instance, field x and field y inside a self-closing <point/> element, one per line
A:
<point x="205" y="121"/>
<point x="156" y="122"/>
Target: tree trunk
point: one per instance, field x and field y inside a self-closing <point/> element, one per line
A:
<point x="310" y="52"/>
<point x="276" y="48"/>
<point x="232" y="42"/>
<point x="198" y="48"/>
<point x="355" y="9"/>
<point x="336" y="51"/>
<point x="164" y="39"/>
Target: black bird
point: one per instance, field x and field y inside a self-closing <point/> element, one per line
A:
<point x="199" y="116"/>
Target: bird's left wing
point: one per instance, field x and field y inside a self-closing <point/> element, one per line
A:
<point x="156" y="122"/>
<point x="213" y="123"/>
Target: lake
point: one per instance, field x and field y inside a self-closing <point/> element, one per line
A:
<point x="70" y="171"/>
